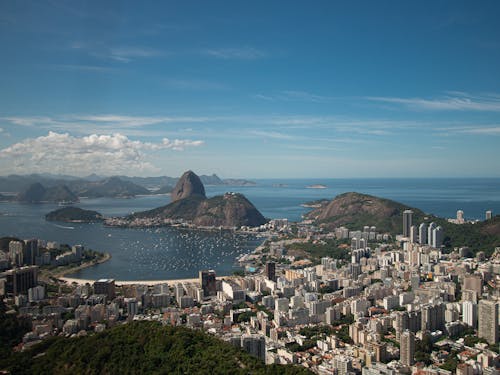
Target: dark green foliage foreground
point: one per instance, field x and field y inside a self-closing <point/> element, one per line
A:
<point x="11" y="331"/>
<point x="141" y="347"/>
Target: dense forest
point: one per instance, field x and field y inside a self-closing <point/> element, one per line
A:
<point x="140" y="347"/>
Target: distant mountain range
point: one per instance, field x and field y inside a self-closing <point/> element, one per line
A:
<point x="36" y="193"/>
<point x="99" y="186"/>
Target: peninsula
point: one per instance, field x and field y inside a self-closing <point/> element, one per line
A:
<point x="190" y="206"/>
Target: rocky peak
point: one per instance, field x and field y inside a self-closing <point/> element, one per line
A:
<point x="188" y="185"/>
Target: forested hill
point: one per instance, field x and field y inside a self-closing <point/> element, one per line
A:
<point x="140" y="348"/>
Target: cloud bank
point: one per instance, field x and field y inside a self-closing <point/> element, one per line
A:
<point x="105" y="154"/>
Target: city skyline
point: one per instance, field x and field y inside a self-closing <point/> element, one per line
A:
<point x="260" y="90"/>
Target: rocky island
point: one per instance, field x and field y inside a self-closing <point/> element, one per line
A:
<point x="74" y="215"/>
<point x="191" y="206"/>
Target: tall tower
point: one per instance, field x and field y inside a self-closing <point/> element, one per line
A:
<point x="407" y="351"/>
<point x="208" y="282"/>
<point x="460" y="217"/>
<point x="469" y="313"/>
<point x="430" y="229"/>
<point x="413" y="234"/>
<point x="437" y="237"/>
<point x="407" y="222"/>
<point x="489" y="214"/>
<point x="422" y="234"/>
<point x="488" y="321"/>
<point x="271" y="271"/>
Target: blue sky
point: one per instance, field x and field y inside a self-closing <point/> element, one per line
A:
<point x="251" y="89"/>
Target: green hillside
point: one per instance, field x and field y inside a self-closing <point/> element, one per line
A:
<point x="140" y="348"/>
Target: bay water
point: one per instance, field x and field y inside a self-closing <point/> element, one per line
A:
<point x="171" y="253"/>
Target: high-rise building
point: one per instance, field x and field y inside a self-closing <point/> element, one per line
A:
<point x="19" y="280"/>
<point x="489" y="214"/>
<point x="343" y="364"/>
<point x="78" y="251"/>
<point x="469" y="313"/>
<point x="30" y="251"/>
<point x="407" y="350"/>
<point x="413" y="234"/>
<point x="255" y="345"/>
<point x="106" y="287"/>
<point x="16" y="253"/>
<point x="473" y="283"/>
<point x="208" y="282"/>
<point x="437" y="237"/>
<point x="433" y="317"/>
<point x="422" y="234"/>
<point x="271" y="271"/>
<point x="488" y="321"/>
<point x="460" y="217"/>
<point x="354" y="270"/>
<point x="407" y="222"/>
<point x="430" y="229"/>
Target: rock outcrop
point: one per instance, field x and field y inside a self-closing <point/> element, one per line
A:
<point x="189" y="185"/>
<point x="190" y="204"/>
<point x="355" y="210"/>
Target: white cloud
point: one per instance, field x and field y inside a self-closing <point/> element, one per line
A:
<point x="457" y="101"/>
<point x="84" y="68"/>
<point x="195" y="84"/>
<point x="481" y="130"/>
<point x="106" y="154"/>
<point x="109" y="123"/>
<point x="242" y="53"/>
<point x="272" y="134"/>
<point x="294" y="95"/>
<point x="123" y="54"/>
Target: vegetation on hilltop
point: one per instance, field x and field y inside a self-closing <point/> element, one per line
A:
<point x="336" y="249"/>
<point x="140" y="347"/>
<point x="109" y="187"/>
<point x="480" y="236"/>
<point x="189" y="203"/>
<point x="355" y="210"/>
<point x="37" y="193"/>
<point x="71" y="214"/>
<point x="12" y="330"/>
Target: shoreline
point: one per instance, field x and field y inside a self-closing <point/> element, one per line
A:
<point x="61" y="274"/>
<point x="71" y="280"/>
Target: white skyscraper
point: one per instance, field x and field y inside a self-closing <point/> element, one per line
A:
<point x="422" y="234"/>
<point x="437" y="237"/>
<point x="430" y="229"/>
<point x="413" y="234"/>
<point x="469" y="313"/>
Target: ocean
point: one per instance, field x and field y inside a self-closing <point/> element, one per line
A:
<point x="170" y="253"/>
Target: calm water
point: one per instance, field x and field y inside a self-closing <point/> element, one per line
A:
<point x="141" y="254"/>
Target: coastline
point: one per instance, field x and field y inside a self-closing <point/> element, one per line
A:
<point x="61" y="275"/>
<point x="71" y="280"/>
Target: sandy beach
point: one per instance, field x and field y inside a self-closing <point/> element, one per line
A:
<point x="71" y="280"/>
